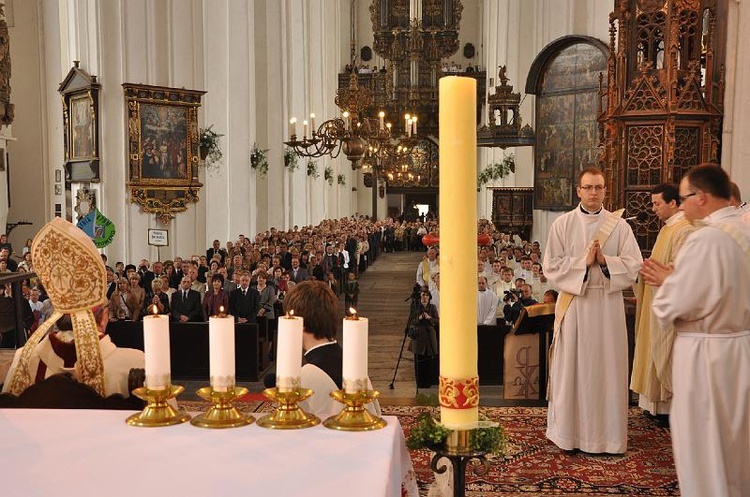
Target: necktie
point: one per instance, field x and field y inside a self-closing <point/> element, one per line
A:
<point x="184" y="295"/>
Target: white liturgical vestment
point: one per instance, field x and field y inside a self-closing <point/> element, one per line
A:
<point x="707" y="300"/>
<point x="588" y="381"/>
<point x="487" y="308"/>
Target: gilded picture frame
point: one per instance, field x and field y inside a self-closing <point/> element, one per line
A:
<point x="163" y="148"/>
<point x="80" y="100"/>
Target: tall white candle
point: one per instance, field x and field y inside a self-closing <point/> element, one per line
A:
<point x="304" y="128"/>
<point x="289" y="353"/>
<point x="381" y="119"/>
<point x="156" y="349"/>
<point x="312" y="122"/>
<point x="414" y="123"/>
<point x="292" y="127"/>
<point x="221" y="352"/>
<point x="355" y="353"/>
<point x="458" y="252"/>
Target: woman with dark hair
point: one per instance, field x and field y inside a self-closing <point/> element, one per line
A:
<point x="215" y="298"/>
<point x="423" y="323"/>
<point x="322" y="372"/>
<point x="266" y="316"/>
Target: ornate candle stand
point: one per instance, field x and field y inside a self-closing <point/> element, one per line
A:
<point x="459" y="452"/>
<point x="288" y="415"/>
<point x="354" y="417"/>
<point x="157" y="411"/>
<point x="223" y="413"/>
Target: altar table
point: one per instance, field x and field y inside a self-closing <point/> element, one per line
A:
<point x="49" y="452"/>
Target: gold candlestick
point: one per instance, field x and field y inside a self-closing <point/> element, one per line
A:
<point x="158" y="412"/>
<point x="223" y="413"/>
<point x="354" y="417"/>
<point x="288" y="415"/>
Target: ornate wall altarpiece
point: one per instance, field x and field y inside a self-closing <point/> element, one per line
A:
<point x="80" y="98"/>
<point x="661" y="105"/>
<point x="163" y="148"/>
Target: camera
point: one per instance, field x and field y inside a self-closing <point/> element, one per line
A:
<point x="512" y="294"/>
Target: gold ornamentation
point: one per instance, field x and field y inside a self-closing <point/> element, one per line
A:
<point x="161" y="183"/>
<point x="354" y="417"/>
<point x="158" y="412"/>
<point x="74" y="276"/>
<point x="459" y="393"/>
<point x="222" y="413"/>
<point x="288" y="415"/>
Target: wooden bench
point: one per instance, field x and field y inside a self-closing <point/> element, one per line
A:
<point x="189" y="347"/>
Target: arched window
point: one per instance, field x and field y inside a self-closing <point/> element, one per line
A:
<point x="565" y="79"/>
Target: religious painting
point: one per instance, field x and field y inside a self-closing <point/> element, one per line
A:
<point x="164" y="142"/>
<point x="80" y="94"/>
<point x="567" y="126"/>
<point x="82" y="130"/>
<point x="163" y="148"/>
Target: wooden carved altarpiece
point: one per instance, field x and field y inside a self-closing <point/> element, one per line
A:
<point x="661" y="106"/>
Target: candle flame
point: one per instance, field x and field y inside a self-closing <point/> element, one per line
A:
<point x="291" y="313"/>
<point x="155" y="309"/>
<point x="221" y="309"/>
<point x="353" y="313"/>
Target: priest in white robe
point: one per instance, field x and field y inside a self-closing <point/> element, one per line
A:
<point x="707" y="300"/>
<point x="591" y="256"/>
<point x="486" y="304"/>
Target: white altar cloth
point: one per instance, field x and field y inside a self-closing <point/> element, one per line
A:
<point x="49" y="452"/>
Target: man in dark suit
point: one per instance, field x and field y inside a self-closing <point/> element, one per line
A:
<point x="111" y="283"/>
<point x="186" y="303"/>
<point x="216" y="250"/>
<point x="285" y="256"/>
<point x="298" y="273"/>
<point x="147" y="276"/>
<point x="176" y="278"/>
<point x="244" y="302"/>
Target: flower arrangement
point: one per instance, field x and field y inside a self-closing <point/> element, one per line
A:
<point x="259" y="160"/>
<point x="312" y="169"/>
<point x="210" y="150"/>
<point x="497" y="170"/>
<point x="328" y="175"/>
<point x="291" y="160"/>
<point x="488" y="437"/>
<point x="341" y="180"/>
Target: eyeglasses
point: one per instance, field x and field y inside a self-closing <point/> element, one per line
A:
<point x="588" y="188"/>
<point x="685" y="197"/>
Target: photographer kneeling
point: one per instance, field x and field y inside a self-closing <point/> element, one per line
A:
<point x="514" y="302"/>
<point x="423" y="322"/>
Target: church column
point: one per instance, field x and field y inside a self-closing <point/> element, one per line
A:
<point x="230" y="107"/>
<point x="735" y="153"/>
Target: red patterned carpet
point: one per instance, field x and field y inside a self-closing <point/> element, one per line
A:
<point x="534" y="466"/>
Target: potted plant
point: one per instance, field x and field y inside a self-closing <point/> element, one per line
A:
<point x="290" y="159"/>
<point x="497" y="170"/>
<point x="210" y="150"/>
<point x="328" y="175"/>
<point x="312" y="169"/>
<point x="259" y="160"/>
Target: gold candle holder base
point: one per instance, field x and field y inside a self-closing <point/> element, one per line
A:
<point x="158" y="412"/>
<point x="222" y="413"/>
<point x="288" y="415"/>
<point x="457" y="443"/>
<point x="354" y="417"/>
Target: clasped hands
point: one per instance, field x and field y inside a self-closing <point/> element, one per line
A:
<point x="654" y="272"/>
<point x="594" y="254"/>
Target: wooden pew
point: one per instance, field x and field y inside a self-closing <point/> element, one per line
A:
<point x="189" y="347"/>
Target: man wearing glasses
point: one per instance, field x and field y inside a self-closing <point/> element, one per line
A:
<point x="706" y="298"/>
<point x="591" y="256"/>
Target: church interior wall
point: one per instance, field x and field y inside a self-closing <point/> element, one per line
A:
<point x="261" y="62"/>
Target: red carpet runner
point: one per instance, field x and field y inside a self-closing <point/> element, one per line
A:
<point x="535" y="466"/>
